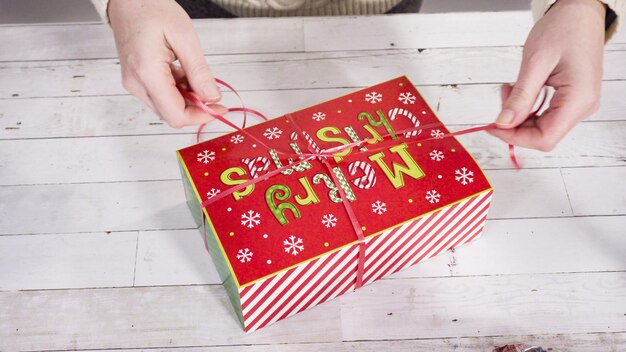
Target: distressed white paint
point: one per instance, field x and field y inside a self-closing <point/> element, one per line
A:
<point x="597" y="191"/>
<point x="175" y="257"/>
<point x="294" y="71"/>
<point x="67" y="260"/>
<point x="548" y="270"/>
<point x="125" y="115"/>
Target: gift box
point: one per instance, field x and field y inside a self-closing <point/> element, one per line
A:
<point x="311" y="205"/>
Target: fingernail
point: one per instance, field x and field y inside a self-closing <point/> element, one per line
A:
<point x="211" y="96"/>
<point x="506" y="117"/>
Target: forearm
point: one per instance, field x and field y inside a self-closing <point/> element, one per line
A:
<point x="616" y="11"/>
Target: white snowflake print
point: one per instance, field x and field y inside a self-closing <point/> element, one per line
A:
<point x="244" y="255"/>
<point x="293" y="245"/>
<point x="464" y="176"/>
<point x="212" y="193"/>
<point x="206" y="156"/>
<point x="250" y="219"/>
<point x="437" y="134"/>
<point x="373" y="97"/>
<point x="407" y="98"/>
<point x="379" y="207"/>
<point x="319" y="116"/>
<point x="433" y="196"/>
<point x="272" y="133"/>
<point x="236" y="139"/>
<point x="436" y="155"/>
<point x="329" y="220"/>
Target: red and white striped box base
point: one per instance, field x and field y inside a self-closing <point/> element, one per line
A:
<point x="334" y="274"/>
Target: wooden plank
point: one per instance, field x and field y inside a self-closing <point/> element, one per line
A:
<point x="578" y="148"/>
<point x="534" y="193"/>
<point x="97" y="207"/>
<point x="518" y="246"/>
<point x="443" y="30"/>
<point x="95" y="41"/>
<point x="175" y="257"/>
<point x="152" y="157"/>
<point x="160" y="205"/>
<point x="178" y="257"/>
<point x="67" y="260"/>
<point x="534" y="246"/>
<point x="597" y="191"/>
<point x="590" y="342"/>
<point x="147" y="317"/>
<point x="277" y="71"/>
<point x="420" y="308"/>
<point x="125" y="115"/>
<point x="485" y="306"/>
<point x="257" y="35"/>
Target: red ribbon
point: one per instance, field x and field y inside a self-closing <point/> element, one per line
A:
<point x="304" y="157"/>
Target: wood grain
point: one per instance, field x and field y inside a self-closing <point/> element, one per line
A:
<point x="145" y="317"/>
<point x="485" y="306"/>
<point x="256" y="35"/>
<point x="152" y="157"/>
<point x="98" y="250"/>
<point x="174" y="257"/>
<point x="178" y="257"/>
<point x="94" y="207"/>
<point x="125" y="115"/>
<point x="595" y="190"/>
<point x="276" y="71"/>
<point x="181" y="316"/>
<point x="67" y="260"/>
<point x="540" y="246"/>
<point x="590" y="342"/>
<point x="95" y="40"/>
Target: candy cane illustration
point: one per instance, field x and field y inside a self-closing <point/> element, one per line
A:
<point x="257" y="166"/>
<point x="393" y="113"/>
<point x="311" y="142"/>
<point x="368" y="180"/>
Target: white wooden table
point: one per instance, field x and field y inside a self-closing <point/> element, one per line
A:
<point x="98" y="249"/>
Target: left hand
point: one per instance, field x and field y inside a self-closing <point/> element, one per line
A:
<point x="564" y="50"/>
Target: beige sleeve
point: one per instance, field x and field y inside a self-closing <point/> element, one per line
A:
<point x="101" y="7"/>
<point x="539" y="7"/>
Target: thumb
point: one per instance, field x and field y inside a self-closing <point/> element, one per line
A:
<point x="201" y="79"/>
<point x="523" y="95"/>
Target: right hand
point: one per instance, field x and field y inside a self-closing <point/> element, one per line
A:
<point x="151" y="35"/>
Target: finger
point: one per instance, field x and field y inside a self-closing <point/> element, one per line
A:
<point x="146" y="100"/>
<point x="534" y="72"/>
<point x="179" y="75"/>
<point x="544" y="132"/>
<point x="186" y="44"/>
<point x="136" y="89"/>
<point x="219" y="109"/>
<point x="505" y="91"/>
<point x="168" y="102"/>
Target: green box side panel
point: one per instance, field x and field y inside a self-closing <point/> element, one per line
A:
<point x="214" y="249"/>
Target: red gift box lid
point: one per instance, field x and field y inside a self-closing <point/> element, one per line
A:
<point x="288" y="219"/>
